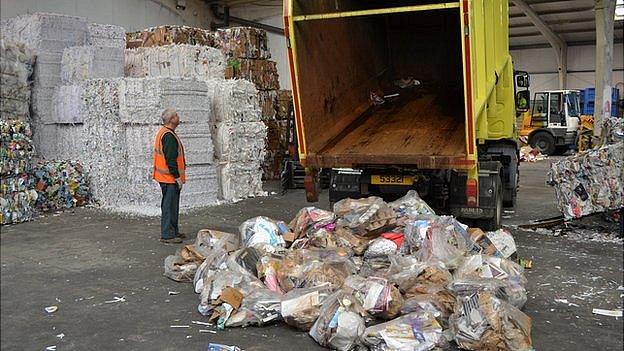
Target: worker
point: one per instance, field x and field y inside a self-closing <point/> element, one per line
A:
<point x="169" y="172"/>
<point x="522" y="102"/>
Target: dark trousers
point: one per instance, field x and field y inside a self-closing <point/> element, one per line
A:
<point x="170" y="206"/>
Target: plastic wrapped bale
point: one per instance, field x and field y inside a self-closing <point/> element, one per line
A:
<point x="368" y="216"/>
<point x="377" y="296"/>
<point x="488" y="267"/>
<point x="301" y="307"/>
<point x="411" y="205"/>
<point x="259" y="231"/>
<point x="311" y="267"/>
<point x="259" y="308"/>
<point x="174" y="61"/>
<point x="414" y="331"/>
<point x="341" y="322"/>
<point x="484" y="322"/>
<point x="309" y="219"/>
<point x="589" y="182"/>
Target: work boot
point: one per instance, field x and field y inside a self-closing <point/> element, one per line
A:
<point x="181" y="235"/>
<point x="175" y="240"/>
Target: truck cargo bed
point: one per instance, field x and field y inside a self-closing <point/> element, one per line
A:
<point x="415" y="131"/>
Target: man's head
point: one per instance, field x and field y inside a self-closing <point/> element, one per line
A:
<point x="170" y="118"/>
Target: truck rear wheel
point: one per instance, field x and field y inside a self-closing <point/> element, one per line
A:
<point x="494" y="223"/>
<point x="544" y="142"/>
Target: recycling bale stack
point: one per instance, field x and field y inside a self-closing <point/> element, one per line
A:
<point x="17" y="192"/>
<point x="248" y="57"/>
<point x="47" y="35"/>
<point x="238" y="134"/>
<point x="167" y="35"/>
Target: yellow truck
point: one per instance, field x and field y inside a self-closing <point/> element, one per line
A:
<point x="413" y="94"/>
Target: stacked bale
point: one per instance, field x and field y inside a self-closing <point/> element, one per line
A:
<point x="17" y="192"/>
<point x="239" y="136"/>
<point x="47" y="35"/>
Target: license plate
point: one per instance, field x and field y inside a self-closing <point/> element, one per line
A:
<point x="392" y="180"/>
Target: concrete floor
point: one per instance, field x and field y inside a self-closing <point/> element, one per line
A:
<point x="78" y="260"/>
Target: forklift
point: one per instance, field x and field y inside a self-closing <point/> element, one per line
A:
<point x="552" y="124"/>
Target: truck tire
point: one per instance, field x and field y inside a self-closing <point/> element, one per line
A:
<point x="544" y="142"/>
<point x="513" y="193"/>
<point x="494" y="223"/>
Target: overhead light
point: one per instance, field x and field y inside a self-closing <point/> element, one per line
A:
<point x="181" y="4"/>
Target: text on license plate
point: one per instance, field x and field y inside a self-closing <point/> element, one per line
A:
<point x="392" y="180"/>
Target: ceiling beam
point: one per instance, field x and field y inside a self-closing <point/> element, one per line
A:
<point x="553" y="12"/>
<point x="555" y="22"/>
<point x="557" y="43"/>
<point x="570" y="43"/>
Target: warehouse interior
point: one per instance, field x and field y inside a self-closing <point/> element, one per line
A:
<point x="347" y="175"/>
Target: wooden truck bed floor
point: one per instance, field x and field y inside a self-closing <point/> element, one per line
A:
<point x="414" y="132"/>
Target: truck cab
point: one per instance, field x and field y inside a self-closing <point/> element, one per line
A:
<point x="553" y="121"/>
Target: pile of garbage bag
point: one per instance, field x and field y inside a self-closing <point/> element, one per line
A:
<point x="368" y="275"/>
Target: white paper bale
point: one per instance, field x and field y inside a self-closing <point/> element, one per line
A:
<point x="240" y="180"/>
<point x="144" y="99"/>
<point x="234" y="100"/>
<point x="68" y="105"/>
<point x="80" y="63"/>
<point x="106" y="35"/>
<point x="46" y="32"/>
<point x="236" y="142"/>
<point x="182" y="60"/>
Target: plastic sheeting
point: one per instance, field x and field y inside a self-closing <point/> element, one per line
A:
<point x="589" y="182"/>
<point x="195" y="61"/>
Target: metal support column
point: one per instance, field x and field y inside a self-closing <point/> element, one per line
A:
<point x="557" y="43"/>
<point x="605" y="12"/>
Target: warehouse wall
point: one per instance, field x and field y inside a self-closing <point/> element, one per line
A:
<point x="542" y="65"/>
<point x="130" y="14"/>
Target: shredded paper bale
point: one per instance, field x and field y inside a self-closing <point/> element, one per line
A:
<point x="80" y="63"/>
<point x="589" y="182"/>
<point x="175" y="61"/>
<point x="106" y="35"/>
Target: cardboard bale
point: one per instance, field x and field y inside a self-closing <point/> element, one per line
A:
<point x="268" y="104"/>
<point x="181" y="60"/>
<point x="170" y="34"/>
<point x="284" y="104"/>
<point x="243" y="42"/>
<point x="263" y="73"/>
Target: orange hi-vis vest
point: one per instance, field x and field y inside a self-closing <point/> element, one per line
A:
<point x="161" y="172"/>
